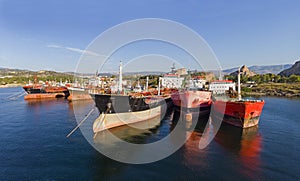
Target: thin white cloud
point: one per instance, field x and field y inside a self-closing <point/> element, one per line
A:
<point x="77" y="50"/>
<point x="54" y="46"/>
<point x="82" y="51"/>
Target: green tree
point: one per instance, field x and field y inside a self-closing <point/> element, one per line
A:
<point x="256" y="78"/>
<point x="294" y="78"/>
<point x="277" y="78"/>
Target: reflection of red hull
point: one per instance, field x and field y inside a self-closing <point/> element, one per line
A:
<point x="239" y="113"/>
<point x="191" y="99"/>
<point x="246" y="144"/>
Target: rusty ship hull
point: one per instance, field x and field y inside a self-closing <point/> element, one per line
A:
<point x="243" y="113"/>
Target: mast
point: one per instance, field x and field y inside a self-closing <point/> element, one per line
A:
<point x="239" y="84"/>
<point x="173" y="69"/>
<point x="120" y="78"/>
<point x="220" y="75"/>
<point x="35" y="81"/>
<point x="147" y="82"/>
<point x="158" y="89"/>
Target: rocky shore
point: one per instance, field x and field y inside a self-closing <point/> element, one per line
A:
<point x="272" y="93"/>
<point x="275" y="89"/>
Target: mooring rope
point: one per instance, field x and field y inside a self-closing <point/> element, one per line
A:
<point x="16" y="96"/>
<point x="100" y="122"/>
<point x="84" y="119"/>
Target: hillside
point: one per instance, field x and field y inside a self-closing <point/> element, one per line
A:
<point x="4" y="72"/>
<point x="262" y="69"/>
<point x="45" y="73"/>
<point x="274" y="69"/>
<point x="295" y="69"/>
<point x="244" y="71"/>
<point x="17" y="76"/>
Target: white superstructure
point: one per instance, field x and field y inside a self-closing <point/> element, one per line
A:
<point x="221" y="86"/>
<point x="171" y="81"/>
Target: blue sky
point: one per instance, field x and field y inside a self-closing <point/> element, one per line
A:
<point x="52" y="34"/>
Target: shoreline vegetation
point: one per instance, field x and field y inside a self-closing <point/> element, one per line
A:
<point x="252" y="84"/>
<point x="284" y="84"/>
<point x="264" y="89"/>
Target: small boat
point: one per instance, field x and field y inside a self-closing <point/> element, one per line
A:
<point x="238" y="112"/>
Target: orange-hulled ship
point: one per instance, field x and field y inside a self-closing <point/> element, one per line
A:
<point x="38" y="91"/>
<point x="43" y="92"/>
<point x="238" y="112"/>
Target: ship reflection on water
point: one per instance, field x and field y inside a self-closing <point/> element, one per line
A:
<point x="245" y="143"/>
<point x="133" y="133"/>
<point x="42" y="107"/>
<point x="45" y="102"/>
<point x="34" y="145"/>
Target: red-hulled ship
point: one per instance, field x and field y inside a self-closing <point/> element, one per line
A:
<point x="238" y="112"/>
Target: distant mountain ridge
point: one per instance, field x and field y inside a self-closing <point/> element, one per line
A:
<point x="295" y="69"/>
<point x="262" y="69"/>
<point x="258" y="69"/>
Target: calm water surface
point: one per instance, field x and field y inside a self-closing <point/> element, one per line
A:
<point x="34" y="146"/>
